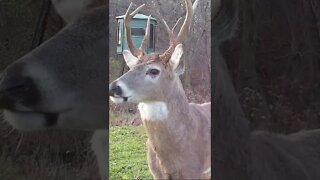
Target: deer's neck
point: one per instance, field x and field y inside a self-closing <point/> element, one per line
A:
<point x="167" y="118"/>
<point x="229" y="125"/>
<point x="173" y="102"/>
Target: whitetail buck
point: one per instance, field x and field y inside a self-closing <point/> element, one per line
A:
<point x="61" y="84"/>
<point x="239" y="154"/>
<point x="178" y="132"/>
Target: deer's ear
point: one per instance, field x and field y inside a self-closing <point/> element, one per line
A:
<point x="181" y="67"/>
<point x="130" y="59"/>
<point x="176" y="57"/>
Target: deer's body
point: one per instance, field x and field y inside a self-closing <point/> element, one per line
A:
<point x="239" y="153"/>
<point x="178" y="136"/>
<point x="178" y="132"/>
<point x="61" y="83"/>
<point x="295" y="156"/>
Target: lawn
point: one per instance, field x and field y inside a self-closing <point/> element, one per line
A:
<point x="128" y="158"/>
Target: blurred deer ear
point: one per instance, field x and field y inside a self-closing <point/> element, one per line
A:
<point x="176" y="57"/>
<point x="130" y="59"/>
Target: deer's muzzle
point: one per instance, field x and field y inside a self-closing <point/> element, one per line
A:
<point x="115" y="90"/>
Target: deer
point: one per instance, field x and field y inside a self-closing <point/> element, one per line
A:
<point x="179" y="133"/>
<point x="239" y="153"/>
<point x="61" y="83"/>
<point x="69" y="9"/>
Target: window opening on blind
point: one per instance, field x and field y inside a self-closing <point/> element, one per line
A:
<point x="151" y="43"/>
<point x="137" y="31"/>
<point x="119" y="34"/>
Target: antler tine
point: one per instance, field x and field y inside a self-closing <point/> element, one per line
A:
<point x="127" y="19"/>
<point x="194" y="6"/>
<point x="146" y="37"/>
<point x="137" y="10"/>
<point x="176" y="25"/>
<point x="165" y="57"/>
<point x="186" y="24"/>
<point x="169" y="31"/>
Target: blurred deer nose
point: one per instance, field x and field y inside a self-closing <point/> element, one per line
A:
<point x="6" y="102"/>
<point x="16" y="88"/>
<point x="114" y="90"/>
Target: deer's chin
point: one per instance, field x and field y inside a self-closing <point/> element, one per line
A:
<point x="119" y="100"/>
<point x="90" y="117"/>
<point x="29" y="120"/>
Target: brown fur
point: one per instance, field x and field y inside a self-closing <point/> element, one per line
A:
<point x="179" y="133"/>
<point x="179" y="147"/>
<point x="260" y="155"/>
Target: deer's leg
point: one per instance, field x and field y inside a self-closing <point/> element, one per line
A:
<point x="100" y="148"/>
<point x="153" y="162"/>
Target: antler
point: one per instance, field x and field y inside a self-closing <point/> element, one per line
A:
<point x="174" y="41"/>
<point x="127" y="18"/>
<point x="171" y="31"/>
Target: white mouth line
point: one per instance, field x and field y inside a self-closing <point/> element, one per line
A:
<point x="39" y="112"/>
<point x="116" y="99"/>
<point x="119" y="97"/>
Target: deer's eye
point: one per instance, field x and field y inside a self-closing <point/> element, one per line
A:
<point x="153" y="72"/>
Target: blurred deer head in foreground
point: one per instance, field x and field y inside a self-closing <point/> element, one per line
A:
<point x="178" y="131"/>
<point x="61" y="83"/>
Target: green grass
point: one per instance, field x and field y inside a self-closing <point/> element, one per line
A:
<point x="128" y="157"/>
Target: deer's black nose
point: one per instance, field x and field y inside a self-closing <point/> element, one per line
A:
<point x="115" y="90"/>
<point x="5" y="101"/>
<point x="17" y="88"/>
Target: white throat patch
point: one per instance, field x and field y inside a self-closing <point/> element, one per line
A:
<point x="153" y="111"/>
